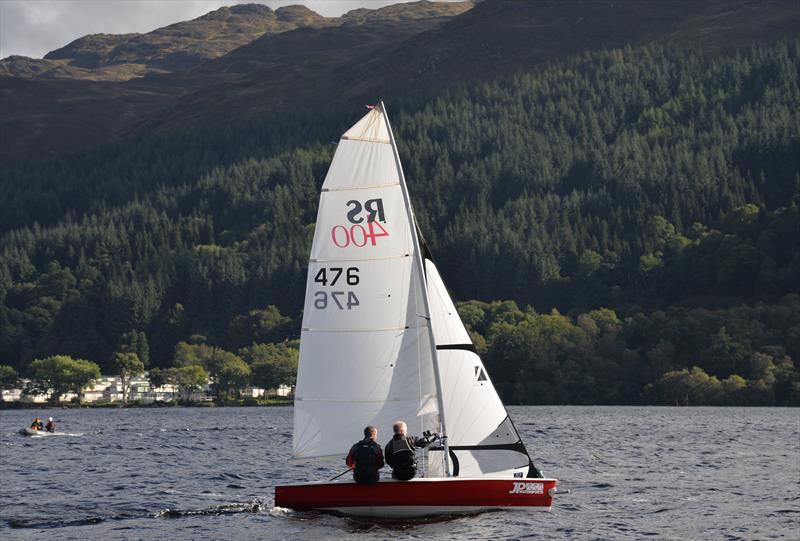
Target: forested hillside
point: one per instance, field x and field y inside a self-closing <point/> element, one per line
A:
<point x="649" y="194"/>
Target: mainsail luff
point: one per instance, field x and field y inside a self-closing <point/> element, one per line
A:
<point x="418" y="259"/>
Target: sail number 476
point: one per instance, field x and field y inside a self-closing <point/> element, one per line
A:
<point x="340" y="299"/>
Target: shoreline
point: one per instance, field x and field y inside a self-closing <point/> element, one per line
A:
<point x="285" y="403"/>
<point x="270" y="403"/>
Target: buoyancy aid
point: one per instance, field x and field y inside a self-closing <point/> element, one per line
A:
<point x="368" y="459"/>
<point x="401" y="457"/>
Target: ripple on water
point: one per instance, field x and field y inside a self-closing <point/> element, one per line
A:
<point x="154" y="478"/>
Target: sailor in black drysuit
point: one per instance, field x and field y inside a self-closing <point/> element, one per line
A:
<point x="400" y="454"/>
<point x="366" y="458"/>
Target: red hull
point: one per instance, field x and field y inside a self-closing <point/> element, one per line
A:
<point x="419" y="497"/>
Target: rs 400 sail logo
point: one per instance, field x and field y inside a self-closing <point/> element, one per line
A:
<point x="527" y="488"/>
<point x="359" y="234"/>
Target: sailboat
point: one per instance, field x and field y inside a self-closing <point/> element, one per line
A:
<point x="381" y="341"/>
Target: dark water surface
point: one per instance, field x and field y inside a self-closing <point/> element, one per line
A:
<point x="192" y="473"/>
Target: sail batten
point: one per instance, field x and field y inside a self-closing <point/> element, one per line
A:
<point x="361" y="259"/>
<point x="348" y="400"/>
<point x="359" y="187"/>
<point x="353" y="329"/>
<point x="465" y="347"/>
<point x="346" y="138"/>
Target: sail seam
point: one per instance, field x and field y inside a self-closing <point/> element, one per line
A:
<point x="365" y="140"/>
<point x="364" y="187"/>
<point x="357" y="330"/>
<point x="349" y="400"/>
<point x="295" y="459"/>
<point x="360" y="259"/>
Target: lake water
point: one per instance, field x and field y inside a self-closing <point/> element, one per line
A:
<point x="191" y="473"/>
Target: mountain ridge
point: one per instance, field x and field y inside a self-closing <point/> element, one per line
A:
<point x="182" y="45"/>
<point x="405" y="51"/>
<point x="186" y="44"/>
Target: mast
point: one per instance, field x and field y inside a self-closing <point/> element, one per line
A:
<point x="421" y="268"/>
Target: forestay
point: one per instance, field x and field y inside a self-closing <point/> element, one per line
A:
<point x="365" y="353"/>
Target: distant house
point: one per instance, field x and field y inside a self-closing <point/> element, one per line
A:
<point x="34" y="398"/>
<point x="94" y="392"/>
<point x="281" y="390"/>
<point x="139" y="391"/>
<point x="165" y="393"/>
<point x="11" y="395"/>
<point x="253" y="392"/>
<point x="113" y="393"/>
<point x="27" y="394"/>
<point x="92" y="395"/>
<point x="108" y="389"/>
<point x="66" y="398"/>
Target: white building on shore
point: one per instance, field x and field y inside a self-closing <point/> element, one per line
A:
<point x="108" y="389"/>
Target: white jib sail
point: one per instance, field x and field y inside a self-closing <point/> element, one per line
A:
<point x="483" y="441"/>
<point x="365" y="352"/>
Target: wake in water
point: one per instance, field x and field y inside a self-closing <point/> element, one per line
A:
<point x="49" y="524"/>
<point x="256" y="506"/>
<point x="44" y="434"/>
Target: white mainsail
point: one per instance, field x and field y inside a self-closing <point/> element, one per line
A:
<point x="365" y="354"/>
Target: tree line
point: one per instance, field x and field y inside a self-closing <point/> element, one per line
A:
<point x="655" y="182"/>
<point x="675" y="357"/>
<point x="194" y="365"/>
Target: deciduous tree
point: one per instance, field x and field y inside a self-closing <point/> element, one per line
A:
<point x="62" y="374"/>
<point x="127" y="366"/>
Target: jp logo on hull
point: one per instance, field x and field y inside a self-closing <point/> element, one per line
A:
<point x="527" y="488"/>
